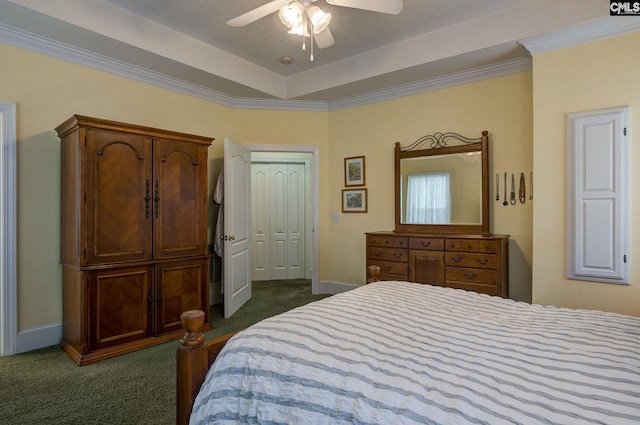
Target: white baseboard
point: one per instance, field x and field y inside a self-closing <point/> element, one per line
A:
<point x="36" y="338"/>
<point x="327" y="287"/>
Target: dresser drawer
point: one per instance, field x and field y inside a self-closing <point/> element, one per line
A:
<point x="466" y="245"/>
<point x="431" y="244"/>
<point x="476" y="287"/>
<point x="488" y="246"/>
<point x="387" y="254"/>
<point x="456" y="259"/>
<point x="390" y="270"/>
<point x="387" y="241"/>
<point x="464" y="259"/>
<point x="483" y="261"/>
<point x="469" y="275"/>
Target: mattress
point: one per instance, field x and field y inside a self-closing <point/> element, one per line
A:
<point x="406" y="353"/>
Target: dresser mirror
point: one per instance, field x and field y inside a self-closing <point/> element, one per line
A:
<point x="442" y="185"/>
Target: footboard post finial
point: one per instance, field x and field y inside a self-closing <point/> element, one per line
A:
<point x="192" y="364"/>
<point x="191" y="321"/>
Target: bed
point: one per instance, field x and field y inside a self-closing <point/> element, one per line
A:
<point x="406" y="353"/>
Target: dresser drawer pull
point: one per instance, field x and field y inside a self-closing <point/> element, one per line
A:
<point x="377" y="253"/>
<point x="469" y="275"/>
<point x="426" y="245"/>
<point x="469" y="246"/>
<point x="387" y="242"/>
<point x="397" y="255"/>
<point x="386" y="268"/>
<point x="482" y="261"/>
<point x="456" y="259"/>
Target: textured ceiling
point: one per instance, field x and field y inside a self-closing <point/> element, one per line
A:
<point x="189" y="41"/>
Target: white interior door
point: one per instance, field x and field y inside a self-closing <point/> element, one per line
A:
<point x="237" y="236"/>
<point x="598" y="195"/>
<point x="295" y="205"/>
<point x="279" y="211"/>
<point x="260" y="201"/>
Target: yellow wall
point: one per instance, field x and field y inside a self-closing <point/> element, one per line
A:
<point x="500" y="105"/>
<point x="47" y="91"/>
<point x="598" y="75"/>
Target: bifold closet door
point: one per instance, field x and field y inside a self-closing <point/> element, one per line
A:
<point x="278" y="192"/>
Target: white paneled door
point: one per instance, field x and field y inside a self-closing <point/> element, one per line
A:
<point x="237" y="235"/>
<point x="598" y="195"/>
<point x="279" y="201"/>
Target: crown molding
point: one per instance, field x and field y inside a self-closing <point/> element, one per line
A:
<point x="580" y="34"/>
<point x="283" y="105"/>
<point x="29" y="41"/>
<point x="454" y="79"/>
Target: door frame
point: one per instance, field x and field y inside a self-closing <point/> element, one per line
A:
<point x="8" y="245"/>
<point x="315" y="201"/>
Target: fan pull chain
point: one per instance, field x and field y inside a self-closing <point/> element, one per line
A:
<point x="311" y="57"/>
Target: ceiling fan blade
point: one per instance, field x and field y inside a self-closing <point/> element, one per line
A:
<point x="257" y="13"/>
<point x="392" y="7"/>
<point x="324" y="38"/>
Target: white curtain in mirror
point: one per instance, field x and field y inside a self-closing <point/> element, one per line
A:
<point x="428" y="198"/>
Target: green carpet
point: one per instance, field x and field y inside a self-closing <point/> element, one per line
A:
<point x="46" y="387"/>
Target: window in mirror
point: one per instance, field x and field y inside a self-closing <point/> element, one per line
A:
<point x="428" y="198"/>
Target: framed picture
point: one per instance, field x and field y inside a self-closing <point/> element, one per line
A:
<point x="354" y="200"/>
<point x="354" y="171"/>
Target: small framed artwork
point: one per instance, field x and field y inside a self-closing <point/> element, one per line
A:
<point x="354" y="200"/>
<point x="354" y="171"/>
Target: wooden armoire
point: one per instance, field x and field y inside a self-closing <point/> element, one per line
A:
<point x="133" y="235"/>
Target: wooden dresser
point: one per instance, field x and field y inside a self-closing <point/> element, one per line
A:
<point x="134" y="235"/>
<point x="472" y="262"/>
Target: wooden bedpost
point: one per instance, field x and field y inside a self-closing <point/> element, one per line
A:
<point x="192" y="364"/>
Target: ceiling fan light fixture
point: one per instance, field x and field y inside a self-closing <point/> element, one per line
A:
<point x="292" y="14"/>
<point x="300" y="30"/>
<point x="319" y="19"/>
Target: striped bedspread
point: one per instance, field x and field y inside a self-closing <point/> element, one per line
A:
<point x="403" y="353"/>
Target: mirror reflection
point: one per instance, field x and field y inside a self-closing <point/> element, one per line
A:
<point x="441" y="189"/>
<point x="442" y="184"/>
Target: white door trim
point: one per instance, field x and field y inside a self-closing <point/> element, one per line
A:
<point x="315" y="198"/>
<point x="8" y="246"/>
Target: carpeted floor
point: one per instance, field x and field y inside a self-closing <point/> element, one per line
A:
<point x="46" y="387"/>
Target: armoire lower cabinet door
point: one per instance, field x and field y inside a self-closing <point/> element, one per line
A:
<point x="120" y="305"/>
<point x="180" y="286"/>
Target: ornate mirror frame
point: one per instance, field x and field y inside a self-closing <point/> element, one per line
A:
<point x="439" y="144"/>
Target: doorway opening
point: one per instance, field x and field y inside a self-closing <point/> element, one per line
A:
<point x="287" y="247"/>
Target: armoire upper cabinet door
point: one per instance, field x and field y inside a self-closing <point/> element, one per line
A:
<point x="179" y="198"/>
<point x="118" y="197"/>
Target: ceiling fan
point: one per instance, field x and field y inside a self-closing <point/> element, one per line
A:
<point x="308" y="20"/>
